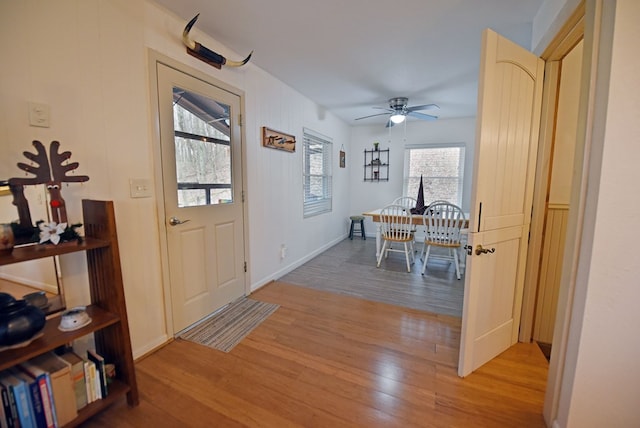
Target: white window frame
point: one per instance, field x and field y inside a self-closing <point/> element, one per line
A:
<point x="314" y="203"/>
<point x="409" y="179"/>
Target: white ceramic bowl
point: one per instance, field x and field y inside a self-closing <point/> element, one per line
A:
<point x="74" y="318"/>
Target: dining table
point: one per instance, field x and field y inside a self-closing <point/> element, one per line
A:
<point x="416" y="219"/>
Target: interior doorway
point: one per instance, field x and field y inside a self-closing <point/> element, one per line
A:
<point x="554" y="175"/>
<point x="558" y="200"/>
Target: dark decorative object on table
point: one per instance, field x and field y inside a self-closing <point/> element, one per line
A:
<point x="19" y="321"/>
<point x="5" y="299"/>
<point x="38" y="299"/>
<point x="419" y="208"/>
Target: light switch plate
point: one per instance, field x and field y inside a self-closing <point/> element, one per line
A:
<point x="140" y="188"/>
<point x="39" y="115"/>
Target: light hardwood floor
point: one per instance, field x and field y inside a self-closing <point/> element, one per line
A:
<point x="328" y="360"/>
<point x="350" y="268"/>
<point x="18" y="290"/>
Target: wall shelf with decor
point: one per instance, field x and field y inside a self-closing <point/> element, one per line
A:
<point x="376" y="165"/>
<point x="107" y="309"/>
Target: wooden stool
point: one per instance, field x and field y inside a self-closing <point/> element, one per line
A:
<point x="354" y="220"/>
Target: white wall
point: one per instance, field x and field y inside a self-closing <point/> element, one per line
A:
<point x="369" y="195"/>
<point x="602" y="381"/>
<point x="87" y="59"/>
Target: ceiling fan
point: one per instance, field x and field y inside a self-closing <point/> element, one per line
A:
<point x="398" y="111"/>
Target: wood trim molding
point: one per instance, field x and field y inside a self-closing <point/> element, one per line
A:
<point x="568" y="36"/>
<point x="558" y="207"/>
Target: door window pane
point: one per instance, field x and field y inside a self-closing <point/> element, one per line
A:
<point x="202" y="149"/>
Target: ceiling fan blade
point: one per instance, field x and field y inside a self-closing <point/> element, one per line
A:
<point x="423" y="107"/>
<point x="373" y="115"/>
<point x="422" y="116"/>
<point x="384" y="108"/>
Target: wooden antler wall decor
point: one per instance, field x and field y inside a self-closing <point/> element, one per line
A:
<point x="49" y="170"/>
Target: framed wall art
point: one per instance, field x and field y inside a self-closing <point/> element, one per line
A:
<point x="278" y="140"/>
<point x="343" y="159"/>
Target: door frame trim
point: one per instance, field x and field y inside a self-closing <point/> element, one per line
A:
<point x="567" y="38"/>
<point x="153" y="58"/>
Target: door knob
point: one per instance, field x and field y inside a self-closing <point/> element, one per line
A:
<point x="174" y="221"/>
<point x="480" y="250"/>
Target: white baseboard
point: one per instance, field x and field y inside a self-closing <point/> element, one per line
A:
<point x="151" y="347"/>
<point x="49" y="288"/>
<point x="293" y="265"/>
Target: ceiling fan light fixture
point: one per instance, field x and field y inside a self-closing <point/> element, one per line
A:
<point x="397" y="118"/>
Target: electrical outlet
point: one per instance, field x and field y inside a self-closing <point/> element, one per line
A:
<point x="139" y="188"/>
<point x="39" y="115"/>
<point x="283" y="251"/>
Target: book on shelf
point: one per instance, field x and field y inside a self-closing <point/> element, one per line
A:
<point x="38" y="417"/>
<point x="18" y="388"/>
<point x="3" y="416"/>
<point x="76" y="364"/>
<point x="8" y="402"/>
<point x="43" y="393"/>
<point x="90" y="380"/>
<point x="63" y="397"/>
<point x="101" y="374"/>
<point x="95" y="381"/>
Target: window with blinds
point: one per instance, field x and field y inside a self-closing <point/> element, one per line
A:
<point x="442" y="171"/>
<point x="316" y="154"/>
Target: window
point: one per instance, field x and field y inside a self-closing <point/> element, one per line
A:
<point x="316" y="154"/>
<point x="202" y="149"/>
<point x="442" y="171"/>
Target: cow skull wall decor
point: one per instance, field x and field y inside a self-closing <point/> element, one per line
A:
<point x="202" y="53"/>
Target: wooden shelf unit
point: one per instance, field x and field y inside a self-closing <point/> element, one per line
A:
<point x="376" y="165"/>
<point x="107" y="310"/>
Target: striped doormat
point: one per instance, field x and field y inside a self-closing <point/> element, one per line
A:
<point x="226" y="328"/>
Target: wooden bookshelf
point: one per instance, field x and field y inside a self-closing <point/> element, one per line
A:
<point x="40" y="251"/>
<point x="53" y="337"/>
<point x="107" y="310"/>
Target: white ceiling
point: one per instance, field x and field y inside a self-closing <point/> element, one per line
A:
<point x="351" y="55"/>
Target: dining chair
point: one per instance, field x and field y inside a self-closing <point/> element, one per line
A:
<point x="438" y="201"/>
<point x="443" y="223"/>
<point x="396" y="227"/>
<point x="406" y="201"/>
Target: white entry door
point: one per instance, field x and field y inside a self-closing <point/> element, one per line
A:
<point x="200" y="142"/>
<point x="509" y="106"/>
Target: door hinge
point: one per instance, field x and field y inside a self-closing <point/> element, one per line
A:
<point x="245" y="267"/>
<point x="243" y="196"/>
<point x="240" y="119"/>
